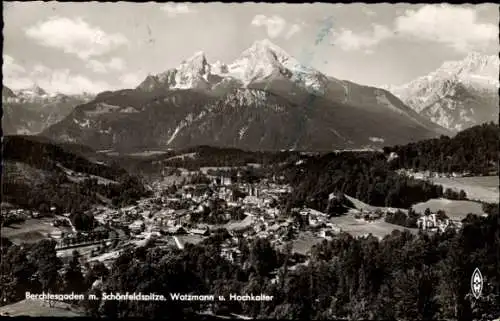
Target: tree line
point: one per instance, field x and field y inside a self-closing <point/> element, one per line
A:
<point x="474" y="150"/>
<point x="207" y="156"/>
<point x="55" y="189"/>
<point x="365" y="176"/>
<point x="71" y="197"/>
<point x="43" y="154"/>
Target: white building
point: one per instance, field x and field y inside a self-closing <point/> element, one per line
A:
<point x="312" y="212"/>
<point x="252" y="200"/>
<point x="432" y="223"/>
<point x="427" y="222"/>
<point x="137" y="226"/>
<point x="57" y="234"/>
<point x="328" y="233"/>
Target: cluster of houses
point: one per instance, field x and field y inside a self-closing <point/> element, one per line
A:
<point x="14" y="213"/>
<point x="61" y="222"/>
<point x="72" y="238"/>
<point x="319" y="223"/>
<point x="429" y="174"/>
<point x="170" y="213"/>
<point x="433" y="223"/>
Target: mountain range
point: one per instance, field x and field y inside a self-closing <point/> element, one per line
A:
<point x="30" y="111"/>
<point x="458" y="95"/>
<point x="264" y="100"/>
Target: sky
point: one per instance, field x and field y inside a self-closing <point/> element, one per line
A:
<point x="92" y="46"/>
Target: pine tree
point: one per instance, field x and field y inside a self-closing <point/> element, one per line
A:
<point x="73" y="278"/>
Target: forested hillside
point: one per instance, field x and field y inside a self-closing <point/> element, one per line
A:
<point x="473" y="150"/>
<point x="371" y="177"/>
<point x="38" y="174"/>
<point x="365" y="176"/>
<point x="44" y="154"/>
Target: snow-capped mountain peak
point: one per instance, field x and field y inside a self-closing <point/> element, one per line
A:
<point x="31" y="110"/>
<point x="264" y="60"/>
<point x="261" y="62"/>
<point x="475" y="69"/>
<point x="474" y="64"/>
<point x="35" y="90"/>
<point x="195" y="64"/>
<point x="257" y="62"/>
<point x="459" y="94"/>
<point x="193" y="72"/>
<point x="36" y="94"/>
<point x="266" y="47"/>
<point x="218" y="68"/>
<point x="480" y="59"/>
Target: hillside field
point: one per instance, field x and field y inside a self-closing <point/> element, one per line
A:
<point x="481" y="188"/>
<point x="456" y="210"/>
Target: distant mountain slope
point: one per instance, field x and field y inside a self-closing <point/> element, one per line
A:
<point x="32" y="110"/>
<point x="458" y="95"/>
<point x="129" y="119"/>
<point x="259" y="120"/>
<point x="265" y="99"/>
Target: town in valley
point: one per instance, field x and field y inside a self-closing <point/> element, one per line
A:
<point x="250" y="161"/>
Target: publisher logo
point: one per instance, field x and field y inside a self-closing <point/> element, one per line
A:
<point x="476" y="283"/>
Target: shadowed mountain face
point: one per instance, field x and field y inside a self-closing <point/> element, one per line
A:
<point x="264" y="100"/>
<point x="128" y="119"/>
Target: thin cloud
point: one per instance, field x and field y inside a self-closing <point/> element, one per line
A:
<point x="10" y="67"/>
<point x="454" y="26"/>
<point x="175" y="9"/>
<point x="97" y="66"/>
<point x="276" y="26"/>
<point x="295" y="28"/>
<point x="348" y="40"/>
<point x="75" y="36"/>
<point x="52" y="80"/>
<point x="132" y="80"/>
<point x="367" y="11"/>
<point x="432" y="23"/>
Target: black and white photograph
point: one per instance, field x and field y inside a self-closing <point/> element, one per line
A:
<point x="214" y="161"/>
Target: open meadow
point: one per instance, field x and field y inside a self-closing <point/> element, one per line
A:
<point x="481" y="188"/>
<point x="456" y="210"/>
<point x="31" y="230"/>
<point x="358" y="227"/>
